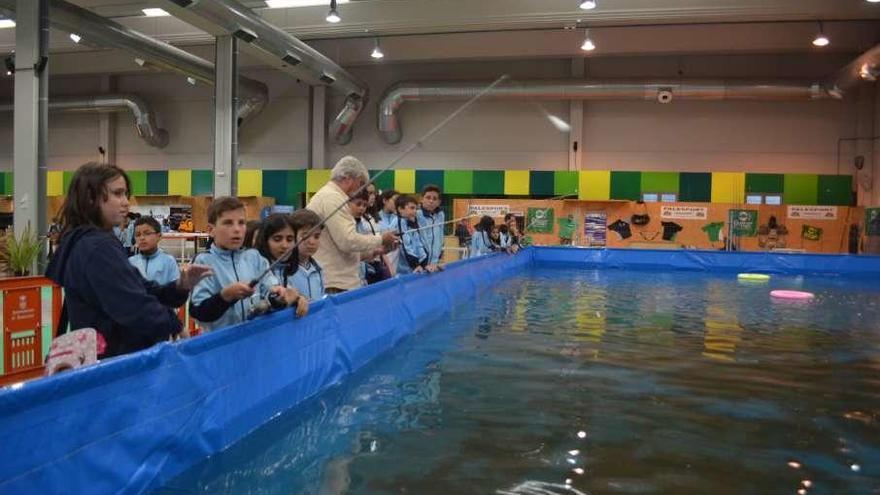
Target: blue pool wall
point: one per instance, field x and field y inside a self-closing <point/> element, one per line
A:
<point x="133" y="423"/>
<point x="130" y="424"/>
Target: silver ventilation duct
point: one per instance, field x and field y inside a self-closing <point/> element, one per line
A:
<point x="105" y="32"/>
<point x="144" y="117"/>
<point x="864" y="68"/>
<point x="279" y="49"/>
<point x="663" y="92"/>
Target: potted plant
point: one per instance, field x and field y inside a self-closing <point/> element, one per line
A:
<point x="22" y="251"/>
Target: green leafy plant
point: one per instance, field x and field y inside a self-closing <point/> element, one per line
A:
<point x="22" y="251"/>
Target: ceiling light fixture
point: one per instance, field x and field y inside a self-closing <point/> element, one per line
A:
<point x="377" y="51"/>
<point x="588" y="4"/>
<point x="283" y="4"/>
<point x="333" y="15"/>
<point x="873" y="1"/>
<point x="75" y="37"/>
<point x="588" y="44"/>
<point x="7" y="23"/>
<point x="155" y="12"/>
<point x="191" y="80"/>
<point x="821" y="40"/>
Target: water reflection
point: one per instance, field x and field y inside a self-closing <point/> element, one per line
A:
<point x="568" y="381"/>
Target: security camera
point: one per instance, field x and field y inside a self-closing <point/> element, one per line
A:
<point x="859" y="162"/>
<point x="664" y="96"/>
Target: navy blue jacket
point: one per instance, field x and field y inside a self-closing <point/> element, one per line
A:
<point x="103" y="291"/>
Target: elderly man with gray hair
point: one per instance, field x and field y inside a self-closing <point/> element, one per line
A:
<point x="339" y="253"/>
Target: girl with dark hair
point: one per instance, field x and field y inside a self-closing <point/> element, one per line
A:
<point x="481" y="242"/>
<point x="274" y="239"/>
<point x="387" y="215"/>
<point x="103" y="290"/>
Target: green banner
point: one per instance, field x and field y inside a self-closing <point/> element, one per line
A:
<point x="539" y="220"/>
<point x="744" y="223"/>
<point x="872" y="221"/>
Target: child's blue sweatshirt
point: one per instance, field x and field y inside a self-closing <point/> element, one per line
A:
<point x="241" y="265"/>
<point x="431" y="225"/>
<point x="160" y="267"/>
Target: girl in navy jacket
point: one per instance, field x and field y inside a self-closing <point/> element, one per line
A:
<point x="102" y="289"/>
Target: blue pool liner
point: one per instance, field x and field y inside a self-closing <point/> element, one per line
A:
<point x="131" y="424"/>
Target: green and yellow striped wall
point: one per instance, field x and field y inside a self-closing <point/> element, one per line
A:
<point x="287" y="186"/>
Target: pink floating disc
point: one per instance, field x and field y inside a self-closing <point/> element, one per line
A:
<point x="791" y="294"/>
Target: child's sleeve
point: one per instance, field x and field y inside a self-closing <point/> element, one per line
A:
<point x="206" y="304"/>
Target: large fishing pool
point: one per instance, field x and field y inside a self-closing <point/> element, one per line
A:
<point x="574" y="380"/>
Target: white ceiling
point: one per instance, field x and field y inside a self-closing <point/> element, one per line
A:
<point x="422" y="30"/>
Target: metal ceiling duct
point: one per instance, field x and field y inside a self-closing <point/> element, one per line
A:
<point x="864" y="68"/>
<point x="105" y="32"/>
<point x="281" y="50"/>
<point x="663" y="92"/>
<point x="144" y="117"/>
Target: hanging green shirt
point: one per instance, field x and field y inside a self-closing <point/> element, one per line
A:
<point x="712" y="230"/>
<point x="566" y="228"/>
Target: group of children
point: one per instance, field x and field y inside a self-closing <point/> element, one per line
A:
<point x="488" y="237"/>
<point x="242" y="252"/>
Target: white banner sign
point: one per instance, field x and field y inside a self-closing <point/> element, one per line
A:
<point x="685" y="212"/>
<point x="491" y="210"/>
<point x="812" y="212"/>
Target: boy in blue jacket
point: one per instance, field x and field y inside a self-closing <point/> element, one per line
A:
<point x="431" y="220"/>
<point x="226" y="298"/>
<point x="413" y="256"/>
<point x="153" y="263"/>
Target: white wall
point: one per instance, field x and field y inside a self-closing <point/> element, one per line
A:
<point x="696" y="136"/>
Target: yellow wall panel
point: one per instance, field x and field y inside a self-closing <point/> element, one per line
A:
<point x="180" y="182"/>
<point x="516" y="182"/>
<point x="55" y="183"/>
<point x="594" y="185"/>
<point x="316" y="178"/>
<point x="250" y="182"/>
<point x="405" y="181"/>
<point x="728" y="187"/>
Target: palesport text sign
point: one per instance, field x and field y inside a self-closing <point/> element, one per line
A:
<point x="684" y="212"/>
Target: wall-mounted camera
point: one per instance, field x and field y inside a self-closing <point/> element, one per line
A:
<point x="859" y="162"/>
<point x="664" y="95"/>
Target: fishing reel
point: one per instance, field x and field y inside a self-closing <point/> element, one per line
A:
<point x="272" y="303"/>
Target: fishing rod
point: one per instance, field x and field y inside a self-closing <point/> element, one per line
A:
<point x="418" y="144"/>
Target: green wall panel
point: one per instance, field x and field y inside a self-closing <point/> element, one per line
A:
<point x="660" y="182"/>
<point x="157" y="182"/>
<point x="489" y="182"/>
<point x="425" y="177"/>
<point x="835" y="190"/>
<point x="68" y="176"/>
<point x="458" y="182"/>
<point x="765" y="183"/>
<point x="801" y="189"/>
<point x="202" y="182"/>
<point x="296" y="186"/>
<point x="626" y="185"/>
<point x="385" y="181"/>
<point x="275" y="185"/>
<point x="138" y="180"/>
<point x="565" y="183"/>
<point x="542" y="183"/>
<point x="695" y="187"/>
